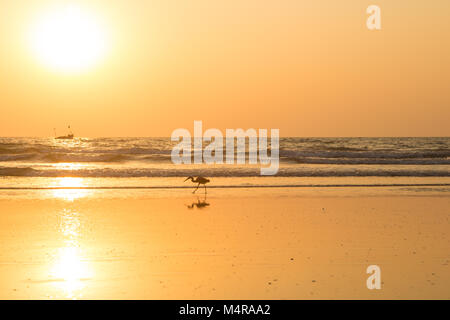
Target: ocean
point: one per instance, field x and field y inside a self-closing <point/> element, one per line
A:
<point x="150" y="157"/>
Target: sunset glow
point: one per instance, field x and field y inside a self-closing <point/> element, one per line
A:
<point x="213" y="150"/>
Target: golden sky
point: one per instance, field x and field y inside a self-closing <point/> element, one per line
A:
<point x="309" y="68"/>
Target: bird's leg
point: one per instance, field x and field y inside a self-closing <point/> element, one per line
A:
<point x="205" y="188"/>
<point x="196" y="188"/>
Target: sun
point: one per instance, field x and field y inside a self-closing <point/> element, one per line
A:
<point x="68" y="39"/>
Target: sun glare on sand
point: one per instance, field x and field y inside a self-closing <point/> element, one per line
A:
<point x="68" y="38"/>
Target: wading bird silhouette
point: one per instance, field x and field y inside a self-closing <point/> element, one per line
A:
<point x="199" y="180"/>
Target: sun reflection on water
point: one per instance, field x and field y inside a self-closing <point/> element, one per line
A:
<point x="75" y="190"/>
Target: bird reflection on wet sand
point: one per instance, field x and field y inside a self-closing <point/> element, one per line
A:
<point x="200" y="204"/>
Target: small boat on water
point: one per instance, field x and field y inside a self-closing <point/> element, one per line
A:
<point x="69" y="136"/>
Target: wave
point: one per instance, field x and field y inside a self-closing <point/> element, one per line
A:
<point x="220" y="172"/>
<point x="380" y="154"/>
<point x="112" y="156"/>
<point x="83" y="157"/>
<point x="369" y="161"/>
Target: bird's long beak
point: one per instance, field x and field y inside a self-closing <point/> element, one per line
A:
<point x="186" y="180"/>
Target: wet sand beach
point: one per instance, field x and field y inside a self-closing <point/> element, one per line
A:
<point x="259" y="243"/>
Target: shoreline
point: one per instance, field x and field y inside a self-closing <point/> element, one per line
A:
<point x="235" y="187"/>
